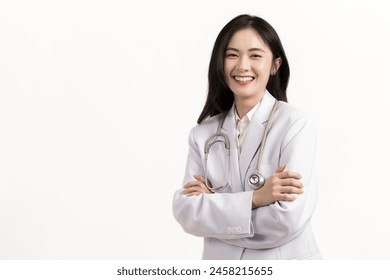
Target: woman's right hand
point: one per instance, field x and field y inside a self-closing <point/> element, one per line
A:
<point x="282" y="185"/>
<point x="196" y="187"/>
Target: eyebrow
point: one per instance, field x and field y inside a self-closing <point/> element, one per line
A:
<point x="251" y="50"/>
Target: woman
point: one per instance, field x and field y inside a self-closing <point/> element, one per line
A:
<point x="219" y="201"/>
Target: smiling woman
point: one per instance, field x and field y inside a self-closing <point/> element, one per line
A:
<point x="249" y="187"/>
<point x="248" y="64"/>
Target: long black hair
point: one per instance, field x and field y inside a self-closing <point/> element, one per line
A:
<point x="219" y="97"/>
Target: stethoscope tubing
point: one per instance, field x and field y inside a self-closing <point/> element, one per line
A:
<point x="255" y="180"/>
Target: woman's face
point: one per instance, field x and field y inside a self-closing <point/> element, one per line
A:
<point x="248" y="65"/>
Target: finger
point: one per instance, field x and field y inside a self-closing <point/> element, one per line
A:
<point x="191" y="190"/>
<point x="200" y="178"/>
<point x="199" y="184"/>
<point x="291" y="190"/>
<point x="192" y="183"/>
<point x="203" y="187"/>
<point x="290" y="174"/>
<point x="291" y="182"/>
<point x="280" y="168"/>
<point x="203" y="180"/>
<point x="197" y="189"/>
<point x="193" y="194"/>
<point x="287" y="197"/>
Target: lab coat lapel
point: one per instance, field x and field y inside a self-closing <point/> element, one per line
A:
<point x="229" y="127"/>
<point x="254" y="133"/>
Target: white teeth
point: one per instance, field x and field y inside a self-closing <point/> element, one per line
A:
<point x="243" y="79"/>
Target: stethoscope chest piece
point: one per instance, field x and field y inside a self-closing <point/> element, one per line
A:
<point x="256" y="181"/>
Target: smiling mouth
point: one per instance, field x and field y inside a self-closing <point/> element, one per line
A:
<point x="243" y="79"/>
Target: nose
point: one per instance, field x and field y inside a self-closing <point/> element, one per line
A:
<point x="243" y="64"/>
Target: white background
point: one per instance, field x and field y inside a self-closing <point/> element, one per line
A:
<point x="97" y="99"/>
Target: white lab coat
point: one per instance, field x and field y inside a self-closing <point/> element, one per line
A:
<point x="231" y="229"/>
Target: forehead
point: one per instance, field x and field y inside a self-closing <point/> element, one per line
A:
<point x="246" y="39"/>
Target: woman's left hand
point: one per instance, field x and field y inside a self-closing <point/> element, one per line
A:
<point x="196" y="187"/>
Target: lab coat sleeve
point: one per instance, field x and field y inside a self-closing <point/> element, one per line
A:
<point x="220" y="215"/>
<point x="280" y="222"/>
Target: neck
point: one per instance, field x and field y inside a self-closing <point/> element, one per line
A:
<point x="244" y="105"/>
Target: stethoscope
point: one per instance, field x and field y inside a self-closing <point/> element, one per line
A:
<point x="255" y="180"/>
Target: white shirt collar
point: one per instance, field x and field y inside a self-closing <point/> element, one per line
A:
<point x="243" y="124"/>
<point x="248" y="116"/>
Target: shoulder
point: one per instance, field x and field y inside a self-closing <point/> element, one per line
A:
<point x="200" y="133"/>
<point x="207" y="125"/>
<point x="292" y="114"/>
<point x="295" y="121"/>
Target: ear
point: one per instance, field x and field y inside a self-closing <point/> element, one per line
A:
<point x="275" y="65"/>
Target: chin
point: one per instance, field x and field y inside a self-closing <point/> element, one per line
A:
<point x="245" y="94"/>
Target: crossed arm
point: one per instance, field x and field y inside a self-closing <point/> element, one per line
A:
<point x="267" y="217"/>
<point x="280" y="186"/>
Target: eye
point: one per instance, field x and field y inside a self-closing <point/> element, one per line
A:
<point x="231" y="55"/>
<point x="256" y="56"/>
